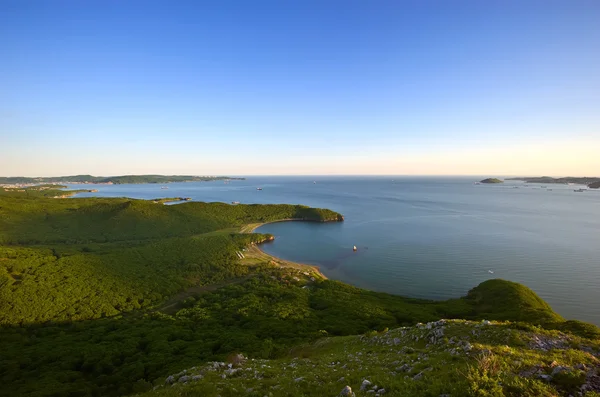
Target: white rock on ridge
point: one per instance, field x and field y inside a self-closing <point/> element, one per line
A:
<point x="347" y="392"/>
<point x="365" y="384"/>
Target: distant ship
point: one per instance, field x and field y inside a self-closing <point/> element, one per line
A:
<point x="354" y="248"/>
<point x="259" y="188"/>
<point x="164" y="187"/>
<point x="490" y="271"/>
<point x="579" y="190"/>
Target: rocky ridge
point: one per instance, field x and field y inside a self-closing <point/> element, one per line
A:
<point x="442" y="358"/>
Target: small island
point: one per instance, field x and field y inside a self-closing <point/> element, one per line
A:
<point x="491" y="180"/>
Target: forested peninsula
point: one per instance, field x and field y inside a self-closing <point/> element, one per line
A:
<point x="116" y="296"/>
<point x="113" y="179"/>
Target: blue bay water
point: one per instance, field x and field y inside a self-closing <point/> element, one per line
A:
<point x="428" y="237"/>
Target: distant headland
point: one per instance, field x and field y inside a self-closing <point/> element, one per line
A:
<point x="592" y="182"/>
<point x="491" y="180"/>
<point x="110" y="180"/>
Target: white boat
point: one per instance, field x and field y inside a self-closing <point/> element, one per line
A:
<point x="354" y="248"/>
<point x="259" y="188"/>
<point x="490" y="271"/>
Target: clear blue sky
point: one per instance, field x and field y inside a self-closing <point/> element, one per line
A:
<point x="299" y="87"/>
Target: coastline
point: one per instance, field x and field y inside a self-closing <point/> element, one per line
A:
<point x="258" y="252"/>
<point x="251" y="227"/>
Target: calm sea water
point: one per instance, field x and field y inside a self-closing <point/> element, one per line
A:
<point x="429" y="237"/>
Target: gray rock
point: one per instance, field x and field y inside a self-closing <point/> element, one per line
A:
<point x="184" y="379"/>
<point x="170" y="379"/>
<point x="298" y="379"/>
<point x="196" y="377"/>
<point x="347" y="391"/>
<point x="365" y="384"/>
<point x="545" y="377"/>
<point x="418" y="376"/>
<point x="380" y="392"/>
<point x="558" y="369"/>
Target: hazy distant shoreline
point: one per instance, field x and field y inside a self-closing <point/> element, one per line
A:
<point x="112" y="180"/>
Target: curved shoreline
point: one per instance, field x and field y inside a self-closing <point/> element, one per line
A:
<point x="250" y="228"/>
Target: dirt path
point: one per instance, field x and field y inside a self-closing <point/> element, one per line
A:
<point x="170" y="306"/>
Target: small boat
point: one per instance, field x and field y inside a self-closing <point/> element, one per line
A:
<point x="314" y="182"/>
<point x="579" y="190"/>
<point x="164" y="187"/>
<point x="235" y="202"/>
<point x="354" y="248"/>
<point x="490" y="271"/>
<point x="259" y="188"/>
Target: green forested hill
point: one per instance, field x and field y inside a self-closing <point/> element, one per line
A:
<point x="74" y="259"/>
